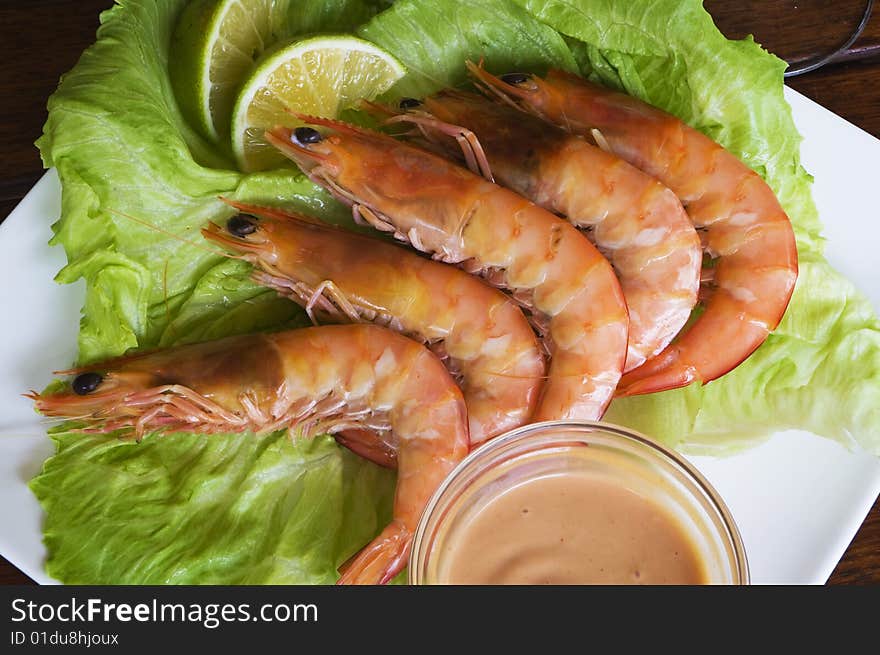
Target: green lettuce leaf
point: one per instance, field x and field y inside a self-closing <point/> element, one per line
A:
<point x="312" y="16"/>
<point x="138" y="182"/>
<point x="134" y="192"/>
<point x="434" y="39"/>
<point x="220" y="509"/>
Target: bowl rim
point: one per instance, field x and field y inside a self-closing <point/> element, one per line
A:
<point x="526" y="432"/>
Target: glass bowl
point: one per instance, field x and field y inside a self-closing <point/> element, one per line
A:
<point x="613" y="454"/>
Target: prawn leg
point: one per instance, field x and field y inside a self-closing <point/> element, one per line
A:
<point x="470" y="146"/>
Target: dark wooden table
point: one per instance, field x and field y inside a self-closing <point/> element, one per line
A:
<point x="43" y="39"/>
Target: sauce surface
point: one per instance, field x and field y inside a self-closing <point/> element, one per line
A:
<point x="571" y="529"/>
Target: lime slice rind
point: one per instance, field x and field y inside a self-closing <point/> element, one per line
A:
<point x="321" y="75"/>
<point x="216" y="43"/>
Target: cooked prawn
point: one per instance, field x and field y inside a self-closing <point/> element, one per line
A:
<point x="459" y="217"/>
<point x="340" y="276"/>
<point x="634" y="220"/>
<point x="744" y="227"/>
<point x="319" y="380"/>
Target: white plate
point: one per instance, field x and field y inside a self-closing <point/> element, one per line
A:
<point x="798" y="499"/>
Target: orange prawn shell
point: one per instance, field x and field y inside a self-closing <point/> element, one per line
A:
<point x="460" y="217"/>
<point x="745" y="226"/>
<point x="486" y="336"/>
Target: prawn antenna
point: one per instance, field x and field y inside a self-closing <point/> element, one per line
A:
<point x="167" y="233"/>
<point x="470" y="146"/>
<point x="374" y="108"/>
<point x="276" y="213"/>
<point x="168" y="317"/>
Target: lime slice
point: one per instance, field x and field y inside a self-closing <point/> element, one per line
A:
<point x="214" y="47"/>
<point x="322" y="76"/>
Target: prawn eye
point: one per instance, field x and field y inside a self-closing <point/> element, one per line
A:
<point x="304" y="135"/>
<point x="409" y="103"/>
<point x="86" y="383"/>
<point x="514" y="79"/>
<point x="241" y="225"/>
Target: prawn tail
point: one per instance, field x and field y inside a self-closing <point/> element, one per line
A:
<point x="364" y="443"/>
<point x="663" y="372"/>
<point x="380" y="560"/>
<point x="714" y="345"/>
